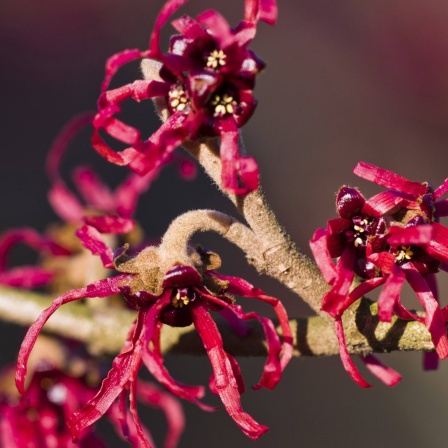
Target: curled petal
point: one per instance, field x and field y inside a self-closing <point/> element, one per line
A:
<point x="387" y="375"/>
<point x="390" y="294"/>
<point x="59" y="145"/>
<point x="120" y="158"/>
<point x="335" y="299"/>
<point x="100" y="288"/>
<point x="92" y="240"/>
<point x="239" y="174"/>
<point x="225" y="381"/>
<point x="65" y="203"/>
<point x="115" y="225"/>
<point x="123" y="367"/>
<point x="322" y="255"/>
<point x="389" y="179"/>
<point x="347" y="362"/>
<point x="93" y="190"/>
<point x="434" y="320"/>
<point x="151" y="395"/>
<point x="169" y="8"/>
<point x="272" y="370"/>
<point x="118" y="60"/>
<point x="241" y="287"/>
<point x="265" y="10"/>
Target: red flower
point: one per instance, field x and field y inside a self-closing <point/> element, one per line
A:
<point x="181" y="296"/>
<point x="207" y="78"/>
<point x="385" y="240"/>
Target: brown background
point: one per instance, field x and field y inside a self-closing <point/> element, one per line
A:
<point x="346" y="81"/>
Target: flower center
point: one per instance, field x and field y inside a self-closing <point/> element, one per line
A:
<point x="223" y="105"/>
<point x="216" y="59"/>
<point x="177" y="98"/>
<point x="361" y="233"/>
<point x="180" y="300"/>
<point x="404" y="254"/>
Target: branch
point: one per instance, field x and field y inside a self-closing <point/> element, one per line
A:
<point x="280" y="257"/>
<point x="105" y="331"/>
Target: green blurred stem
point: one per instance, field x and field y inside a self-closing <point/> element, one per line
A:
<point x="104" y="331"/>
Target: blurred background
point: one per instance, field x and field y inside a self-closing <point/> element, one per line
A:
<point x="346" y="81"/>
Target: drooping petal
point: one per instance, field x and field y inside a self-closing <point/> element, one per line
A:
<point x="386" y="374"/>
<point x="93" y="190"/>
<point x="389" y="179"/>
<point x="333" y="300"/>
<point x="322" y="256"/>
<point x="65" y="203"/>
<point x="225" y="381"/>
<point x="431" y="359"/>
<point x="239" y="175"/>
<point x="151" y="395"/>
<point x="434" y="320"/>
<point x="100" y="289"/>
<point x="243" y="288"/>
<point x="272" y="370"/>
<point x="390" y="294"/>
<point x="124" y="365"/>
<point x="347" y="362"/>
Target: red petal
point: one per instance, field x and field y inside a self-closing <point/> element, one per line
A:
<point x="153" y="396"/>
<point x="434" y="320"/>
<point x="225" y="380"/>
<point x="389" y="179"/>
<point x="265" y="10"/>
<point x="347" y="362"/>
<point x="387" y="375"/>
<point x="390" y="294"/>
<point x="115" y="225"/>
<point x="387" y="202"/>
<point x="65" y="203"/>
<point x="26" y="277"/>
<point x="324" y="260"/>
<point x="100" y="288"/>
<point x="241" y="287"/>
<point x="335" y="299"/>
<point x="93" y="190"/>
<point x="441" y="190"/>
<point x="92" y="240"/>
<point x="124" y="366"/>
<point x="116" y="61"/>
<point x="118" y="158"/>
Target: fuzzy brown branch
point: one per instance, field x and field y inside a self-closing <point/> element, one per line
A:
<point x="105" y="331"/>
<point x="281" y="259"/>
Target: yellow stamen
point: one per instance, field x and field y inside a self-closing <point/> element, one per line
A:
<point x="216" y="59"/>
<point x="405" y="253"/>
<point x="179" y="301"/>
<point x="224" y="105"/>
<point x="178" y="98"/>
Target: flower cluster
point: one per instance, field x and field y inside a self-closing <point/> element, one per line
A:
<point x="54" y="392"/>
<point x="206" y="82"/>
<point x="386" y="240"/>
<point x="179" y="296"/>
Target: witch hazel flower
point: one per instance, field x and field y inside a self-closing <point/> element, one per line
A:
<point x="386" y="240"/>
<point x="27" y="276"/>
<point x="167" y="292"/>
<point x="205" y="81"/>
<point x="56" y="389"/>
<point x="98" y="198"/>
